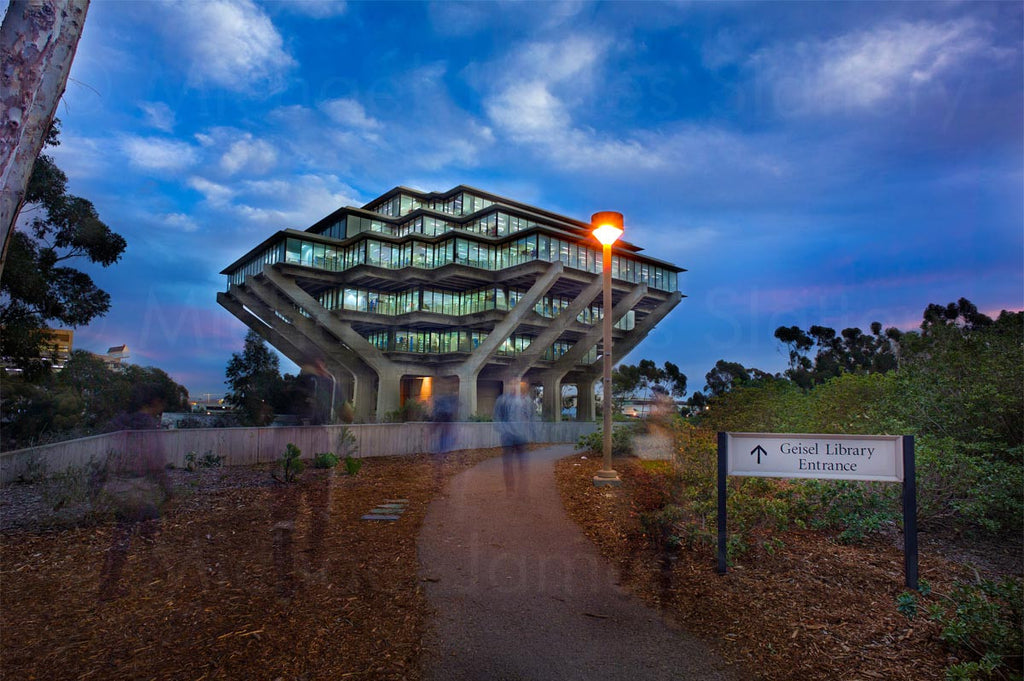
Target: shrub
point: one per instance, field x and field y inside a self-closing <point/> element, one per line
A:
<point x="980" y="621"/>
<point x="325" y="460"/>
<point x="347" y="443"/>
<point x="292" y="463"/>
<point x="622" y="442"/>
<point x="352" y="465"/>
<point x="194" y="462"/>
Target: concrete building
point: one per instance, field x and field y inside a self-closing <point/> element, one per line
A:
<point x="463" y="292"/>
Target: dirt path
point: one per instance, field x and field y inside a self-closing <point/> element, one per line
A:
<point x="520" y="593"/>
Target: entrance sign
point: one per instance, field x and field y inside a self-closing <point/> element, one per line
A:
<point x="837" y="457"/>
<point x="882" y="458"/>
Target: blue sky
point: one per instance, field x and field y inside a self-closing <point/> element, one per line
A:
<point x="829" y="163"/>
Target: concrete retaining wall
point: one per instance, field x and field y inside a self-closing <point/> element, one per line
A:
<point x="247" y="446"/>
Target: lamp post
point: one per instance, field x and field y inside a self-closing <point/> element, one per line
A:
<point x="607" y="229"/>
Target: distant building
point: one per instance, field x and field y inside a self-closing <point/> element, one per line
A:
<point x="56" y="347"/>
<point x="115" y="357"/>
<point x="463" y="291"/>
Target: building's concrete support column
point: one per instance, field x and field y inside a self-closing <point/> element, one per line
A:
<point x="585" y="403"/>
<point x="551" y="406"/>
<point x="640" y="331"/>
<point x="265" y="301"/>
<point x="388" y="373"/>
<point x="568" y="361"/>
<point x="389" y="392"/>
<point x="467" y="396"/>
<point x="555" y="329"/>
<point x="291" y="342"/>
<point x="468" y="371"/>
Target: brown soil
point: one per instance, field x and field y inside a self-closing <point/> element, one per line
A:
<point x="797" y="606"/>
<point x="242" y="577"/>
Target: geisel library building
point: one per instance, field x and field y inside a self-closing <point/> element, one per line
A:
<point x="420" y="294"/>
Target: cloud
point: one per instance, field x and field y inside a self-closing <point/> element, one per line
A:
<point x="249" y="154"/>
<point x="230" y="44"/>
<point x="316" y="9"/>
<point x="180" y="222"/>
<point x="296" y="202"/>
<point x="158" y="115"/>
<point x="870" y="69"/>
<point x="214" y="193"/>
<point x="151" y="153"/>
<point x="350" y="113"/>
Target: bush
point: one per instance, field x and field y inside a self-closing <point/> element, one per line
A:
<point x="412" y="410"/>
<point x="980" y="621"/>
<point x="325" y="460"/>
<point x="292" y="463"/>
<point x="352" y="465"/>
<point x="347" y="443"/>
<point x="194" y="462"/>
<point x="622" y="442"/>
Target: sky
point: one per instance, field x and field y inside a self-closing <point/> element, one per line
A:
<point x="807" y="163"/>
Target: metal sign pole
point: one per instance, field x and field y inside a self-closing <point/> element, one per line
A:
<point x="909" y="513"/>
<point x="723" y="458"/>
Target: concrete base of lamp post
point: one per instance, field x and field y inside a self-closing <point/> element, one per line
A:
<point x="607" y="479"/>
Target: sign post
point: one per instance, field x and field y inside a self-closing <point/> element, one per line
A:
<point x="880" y="458"/>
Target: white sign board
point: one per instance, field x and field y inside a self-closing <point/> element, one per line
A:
<point x="838" y="457"/>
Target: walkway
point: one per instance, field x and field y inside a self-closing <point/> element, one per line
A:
<point x="520" y="593"/>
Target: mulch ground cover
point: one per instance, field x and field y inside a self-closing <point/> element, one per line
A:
<point x="800" y="606"/>
<point x="242" y="577"/>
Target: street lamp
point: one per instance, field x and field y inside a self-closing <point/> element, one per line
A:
<point x="607" y="229"/>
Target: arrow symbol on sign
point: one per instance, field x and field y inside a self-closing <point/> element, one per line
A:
<point x="759" y="450"/>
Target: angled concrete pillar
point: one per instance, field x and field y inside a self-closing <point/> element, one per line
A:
<point x="640" y="331"/>
<point x="469" y="370"/>
<point x="265" y="300"/>
<point x="293" y="344"/>
<point x="555" y="329"/>
<point x="388" y="373"/>
<point x="581" y="347"/>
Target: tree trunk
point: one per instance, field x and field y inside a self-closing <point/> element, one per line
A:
<point x="38" y="40"/>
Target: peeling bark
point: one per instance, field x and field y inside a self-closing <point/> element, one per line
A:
<point x="38" y="40"/>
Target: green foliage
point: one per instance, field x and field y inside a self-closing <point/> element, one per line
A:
<point x="856" y="509"/>
<point x="38" y="288"/>
<point x="353" y="465"/>
<point x="347" y="443"/>
<point x="255" y="381"/>
<point x="291" y="463"/>
<point x="194" y="462"/>
<point x="412" y="410"/>
<point x="981" y="622"/>
<point x="906" y="604"/>
<point x="85" y="398"/>
<point x="622" y="442"/>
<point x="325" y="460"/>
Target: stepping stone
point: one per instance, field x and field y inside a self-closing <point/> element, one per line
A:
<point x="391" y="510"/>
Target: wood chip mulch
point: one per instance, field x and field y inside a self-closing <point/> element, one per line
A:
<point x="242" y="577"/>
<point x="805" y="607"/>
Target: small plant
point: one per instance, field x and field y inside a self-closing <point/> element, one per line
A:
<point x="194" y="462"/>
<point x="292" y="463"/>
<point x="325" y="460"/>
<point x="906" y="604"/>
<point x="352" y="465"/>
<point x="622" y="442"/>
<point x="36" y="469"/>
<point x="983" y="621"/>
<point x="347" y="443"/>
